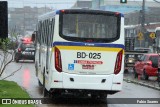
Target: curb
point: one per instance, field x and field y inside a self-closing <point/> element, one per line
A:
<point x="141" y="83"/>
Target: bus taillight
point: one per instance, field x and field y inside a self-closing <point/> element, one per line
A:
<point x="62" y="11"/>
<point x="118" y="63"/>
<point x="58" y="62"/>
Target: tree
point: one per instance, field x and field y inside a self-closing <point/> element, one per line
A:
<point x="13" y="35"/>
<point x="6" y="55"/>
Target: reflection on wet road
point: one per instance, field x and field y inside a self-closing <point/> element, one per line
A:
<point x="26" y="78"/>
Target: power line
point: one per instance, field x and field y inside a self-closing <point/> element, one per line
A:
<point x="156" y="1"/>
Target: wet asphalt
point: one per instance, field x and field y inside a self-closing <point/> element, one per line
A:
<point x="26" y="78"/>
<point x="150" y="83"/>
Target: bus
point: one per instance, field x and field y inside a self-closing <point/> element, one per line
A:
<point x="80" y="51"/>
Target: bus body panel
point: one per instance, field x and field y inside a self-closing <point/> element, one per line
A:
<point x="88" y="60"/>
<point x="56" y="80"/>
<point x="78" y="71"/>
<point x="92" y="82"/>
<point x="80" y="75"/>
<point x="83" y="82"/>
<point x="117" y="81"/>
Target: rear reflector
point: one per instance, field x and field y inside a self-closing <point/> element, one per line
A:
<point x="118" y="63"/>
<point x="58" y="62"/>
<point x="56" y="81"/>
<point x="118" y="83"/>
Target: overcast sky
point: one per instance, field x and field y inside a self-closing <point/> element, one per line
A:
<point x="57" y="4"/>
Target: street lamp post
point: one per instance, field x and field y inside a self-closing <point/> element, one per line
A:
<point x="143" y="29"/>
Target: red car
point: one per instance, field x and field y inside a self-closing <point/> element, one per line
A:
<point x="147" y="65"/>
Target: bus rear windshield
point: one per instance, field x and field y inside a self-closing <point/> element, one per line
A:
<point x="90" y="26"/>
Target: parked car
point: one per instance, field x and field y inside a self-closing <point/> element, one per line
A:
<point x="146" y="66"/>
<point x="25" y="50"/>
<point x="130" y="58"/>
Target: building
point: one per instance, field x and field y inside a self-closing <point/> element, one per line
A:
<point x="129" y="9"/>
<point x="25" y="19"/>
<point x="134" y="18"/>
<point x="83" y="4"/>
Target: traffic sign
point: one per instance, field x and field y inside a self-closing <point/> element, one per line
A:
<point x="140" y="36"/>
<point x="152" y="35"/>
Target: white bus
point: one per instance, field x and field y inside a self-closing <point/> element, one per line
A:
<point x="80" y="51"/>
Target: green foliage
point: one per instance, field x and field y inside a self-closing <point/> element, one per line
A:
<point x="6" y="44"/>
<point x="10" y="89"/>
<point x="6" y="55"/>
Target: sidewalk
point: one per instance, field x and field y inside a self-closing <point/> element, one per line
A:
<point x="151" y="82"/>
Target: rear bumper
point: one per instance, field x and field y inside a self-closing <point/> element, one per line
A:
<point x="87" y="82"/>
<point x="31" y="57"/>
<point x="21" y="56"/>
<point x="96" y="82"/>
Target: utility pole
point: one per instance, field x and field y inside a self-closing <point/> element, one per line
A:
<point x="143" y="17"/>
<point x="143" y="29"/>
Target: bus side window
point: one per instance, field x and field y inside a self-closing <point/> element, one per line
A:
<point x="42" y="35"/>
<point x="47" y="33"/>
<point x="52" y="30"/>
<point x="39" y="32"/>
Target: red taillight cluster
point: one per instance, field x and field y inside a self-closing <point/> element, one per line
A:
<point x="118" y="63"/>
<point x="62" y="11"/>
<point x="58" y="62"/>
<point x="19" y="50"/>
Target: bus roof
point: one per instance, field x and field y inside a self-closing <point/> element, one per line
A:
<point x="53" y="13"/>
<point x="47" y="15"/>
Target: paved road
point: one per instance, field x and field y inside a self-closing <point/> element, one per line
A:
<point x="27" y="79"/>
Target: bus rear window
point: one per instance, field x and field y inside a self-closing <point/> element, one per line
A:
<point x="89" y="26"/>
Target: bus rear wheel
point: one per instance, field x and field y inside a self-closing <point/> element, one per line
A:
<point x="55" y="94"/>
<point x="45" y="92"/>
